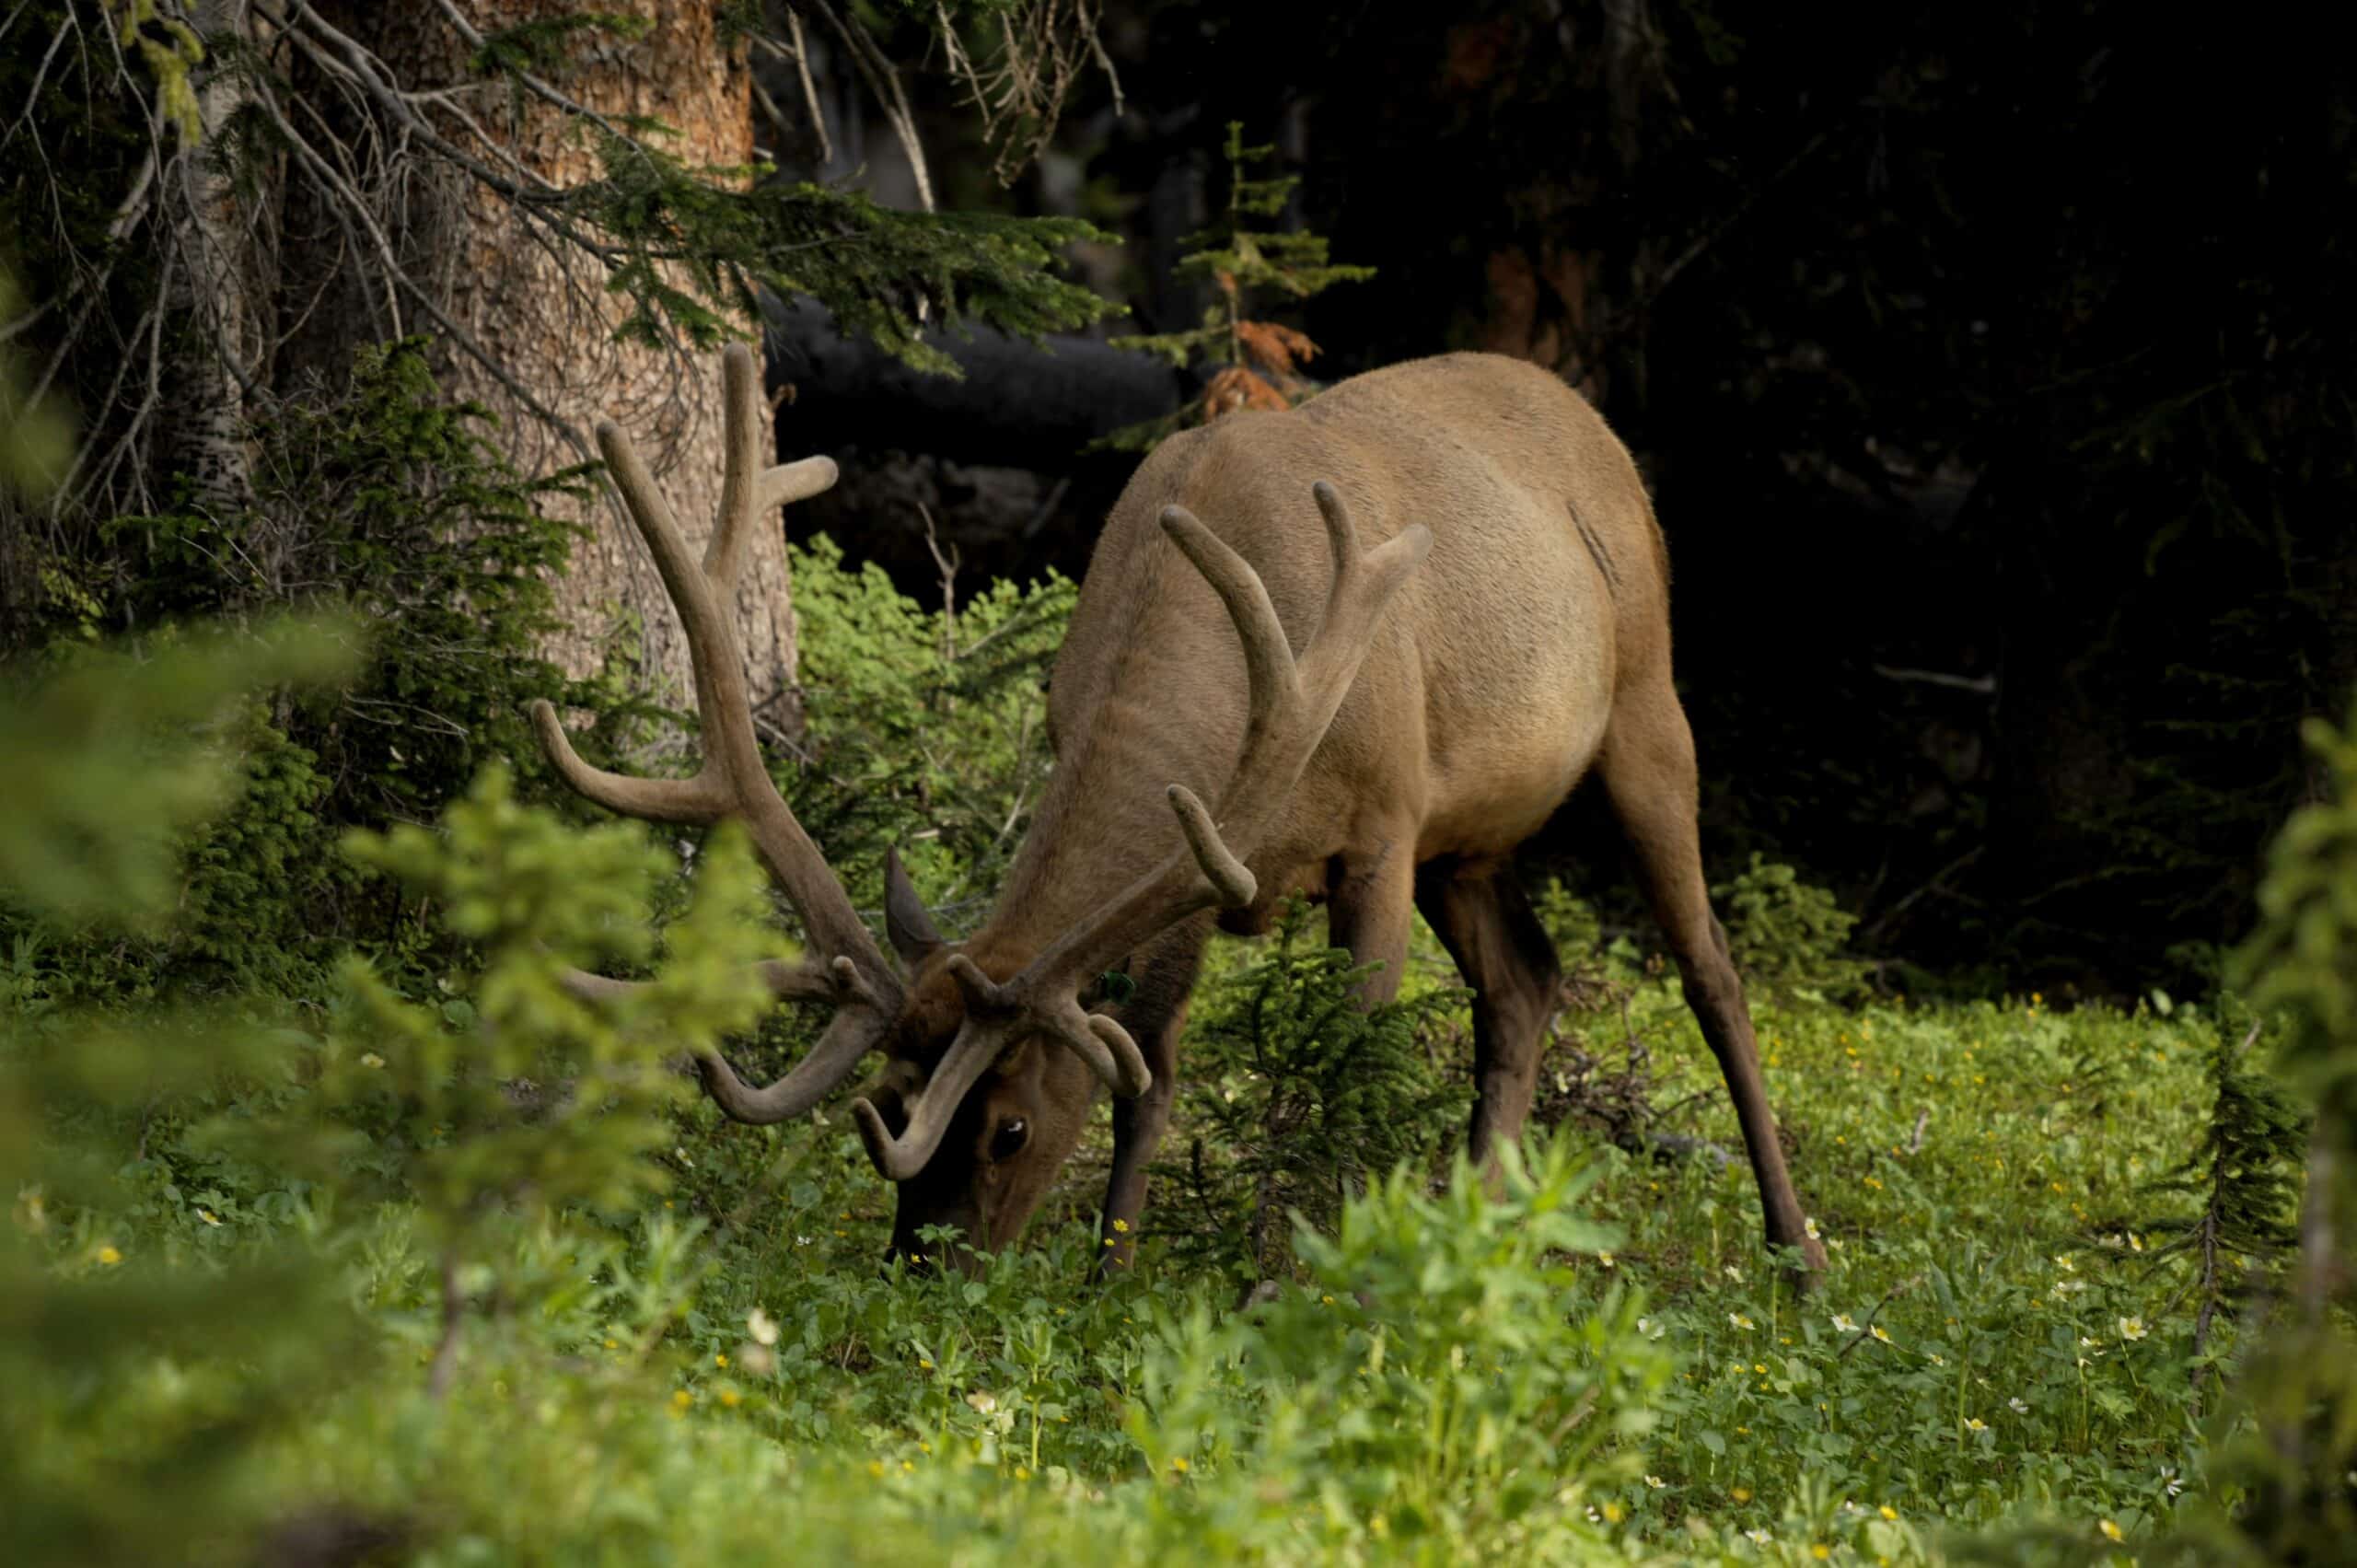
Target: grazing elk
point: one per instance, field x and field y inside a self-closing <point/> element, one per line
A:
<point x="1369" y="689"/>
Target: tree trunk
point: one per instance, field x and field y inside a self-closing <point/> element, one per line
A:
<point x="211" y="289"/>
<point x="542" y="314"/>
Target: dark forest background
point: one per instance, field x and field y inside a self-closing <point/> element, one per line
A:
<point x="1990" y="366"/>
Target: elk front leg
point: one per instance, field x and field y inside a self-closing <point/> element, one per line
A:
<point x="1373" y="910"/>
<point x="1157" y="1013"/>
<point x="1481" y="917"/>
<point x="1138" y="1126"/>
<point x="1648" y="767"/>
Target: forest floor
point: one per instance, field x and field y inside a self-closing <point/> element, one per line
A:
<point x="1601" y="1365"/>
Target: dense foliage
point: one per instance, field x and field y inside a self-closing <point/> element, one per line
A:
<point x="449" y="1269"/>
<point x="340" y="1231"/>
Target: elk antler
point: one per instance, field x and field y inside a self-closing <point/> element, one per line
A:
<point x="851" y="972"/>
<point x="1293" y="704"/>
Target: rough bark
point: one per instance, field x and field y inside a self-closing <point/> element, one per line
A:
<point x="211" y="288"/>
<point x="546" y="318"/>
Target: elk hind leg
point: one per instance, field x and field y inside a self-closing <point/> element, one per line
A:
<point x="1648" y="770"/>
<point x="1478" y="912"/>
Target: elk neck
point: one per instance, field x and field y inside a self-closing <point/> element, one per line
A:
<point x="1105" y="819"/>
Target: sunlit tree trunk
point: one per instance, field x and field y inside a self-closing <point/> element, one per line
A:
<point x="542" y="315"/>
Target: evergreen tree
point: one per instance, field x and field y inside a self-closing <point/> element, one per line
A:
<point x="1253" y="363"/>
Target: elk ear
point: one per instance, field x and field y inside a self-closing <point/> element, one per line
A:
<point x="905" y="920"/>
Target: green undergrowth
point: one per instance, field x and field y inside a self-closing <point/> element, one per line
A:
<point x="1597" y="1365"/>
<point x="430" y="1263"/>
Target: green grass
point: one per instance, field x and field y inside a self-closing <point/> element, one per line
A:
<point x="1995" y="1341"/>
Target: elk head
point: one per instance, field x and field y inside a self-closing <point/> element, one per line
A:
<point x="991" y="1057"/>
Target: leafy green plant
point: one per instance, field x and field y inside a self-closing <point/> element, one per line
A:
<point x="1298" y="1098"/>
<point x="927" y="729"/>
<point x="388" y="505"/>
<point x="109" y="762"/>
<point x="2288" y="1474"/>
<point x="174" y="1356"/>
<point x="501" y="1097"/>
<point x="1440" y="1389"/>
<point x="1788" y="936"/>
<point x="2246" y="1174"/>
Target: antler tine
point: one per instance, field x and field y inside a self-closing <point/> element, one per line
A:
<point x="689" y="801"/>
<point x="1293" y="702"/>
<point x="1234" y="886"/>
<point x="748" y="491"/>
<point x="786" y="981"/>
<point x="733" y="780"/>
<point x="1270" y="677"/>
<point x="740" y="420"/>
<point x="851" y="1034"/>
<point x="848" y="1036"/>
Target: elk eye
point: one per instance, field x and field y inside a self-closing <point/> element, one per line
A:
<point x="1008" y="1140"/>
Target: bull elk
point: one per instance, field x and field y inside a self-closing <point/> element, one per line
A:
<point x="1368" y="688"/>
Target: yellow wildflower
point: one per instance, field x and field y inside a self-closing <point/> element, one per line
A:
<point x="2110" y="1531"/>
<point x="109" y="1256"/>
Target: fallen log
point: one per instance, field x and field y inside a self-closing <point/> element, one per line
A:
<point x="1016" y="405"/>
